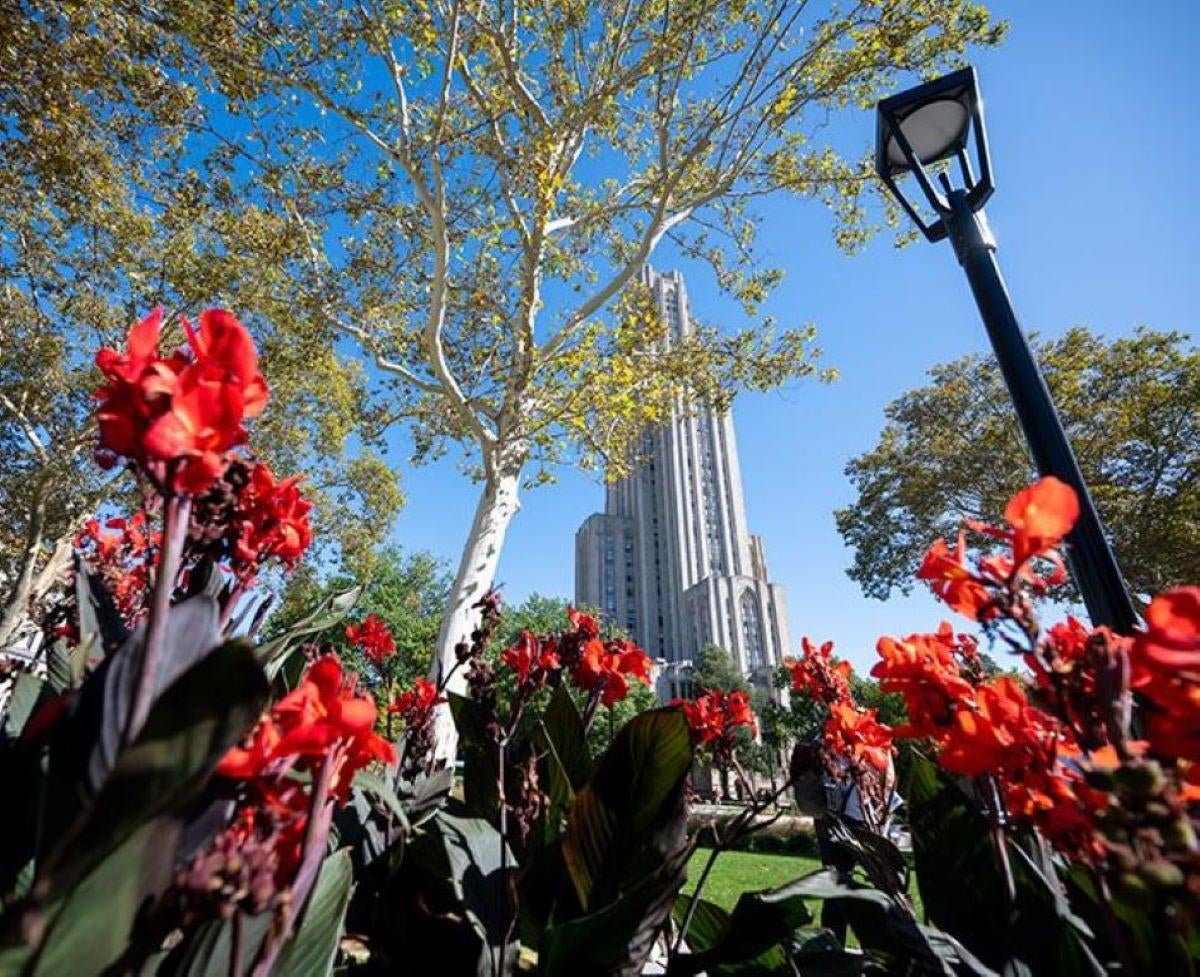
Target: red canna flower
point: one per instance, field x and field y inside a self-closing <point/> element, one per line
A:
<point x="856" y="735"/>
<point x="248" y="761"/>
<point x="416" y="703"/>
<point x="1171" y="639"/>
<point x="1040" y="516"/>
<point x="609" y="666"/>
<point x="373" y="638"/>
<point x="583" y="623"/>
<point x="184" y="411"/>
<point x="271" y="522"/>
<point x="1165" y="667"/>
<point x="714" y="717"/>
<point x="531" y="655"/>
<point x="954" y="582"/>
<point x="926" y="669"/>
<point x="816" y="674"/>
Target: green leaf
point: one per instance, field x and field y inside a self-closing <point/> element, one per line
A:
<point x="312" y="950"/>
<point x="26" y="692"/>
<point x="448" y="909"/>
<point x="630" y="816"/>
<point x="754" y="936"/>
<point x="273" y="654"/>
<point x="195" y="721"/>
<point x="192" y="633"/>
<point x="566" y="763"/>
<point x="625" y="849"/>
<point x="964" y="892"/>
<point x="99" y="620"/>
<point x="89" y="929"/>
<point x="205" y="950"/>
<point x="481" y="762"/>
<point x="616" y="940"/>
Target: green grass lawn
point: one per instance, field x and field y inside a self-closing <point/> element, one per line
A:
<point x="745" y="871"/>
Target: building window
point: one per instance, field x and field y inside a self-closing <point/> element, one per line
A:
<point x="752" y="631"/>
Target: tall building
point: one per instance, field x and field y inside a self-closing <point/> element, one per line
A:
<point x="670" y="559"/>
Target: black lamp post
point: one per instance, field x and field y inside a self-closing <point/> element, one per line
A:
<point x="930" y="124"/>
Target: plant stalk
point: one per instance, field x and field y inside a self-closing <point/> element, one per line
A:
<point x="176" y="514"/>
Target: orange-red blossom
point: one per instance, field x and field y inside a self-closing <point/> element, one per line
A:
<point x="184" y="410"/>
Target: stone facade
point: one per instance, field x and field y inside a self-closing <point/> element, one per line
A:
<point x="670" y="560"/>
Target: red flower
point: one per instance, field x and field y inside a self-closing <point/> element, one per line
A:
<point x="816" y="674"/>
<point x="609" y="666"/>
<point x="185" y="410"/>
<point x="531" y="656"/>
<point x="373" y="638"/>
<point x="954" y="582"/>
<point x="323" y="714"/>
<point x="416" y="703"/>
<point x="248" y="761"/>
<point x="1172" y="636"/>
<point x="713" y="718"/>
<point x="123" y="559"/>
<point x="1165" y="667"/>
<point x="925" y="670"/>
<point x="271" y="521"/>
<point x="1040" y="516"/>
<point x="586" y="625"/>
<point x="856" y="735"/>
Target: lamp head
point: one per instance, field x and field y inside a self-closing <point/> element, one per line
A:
<point x="926" y="125"/>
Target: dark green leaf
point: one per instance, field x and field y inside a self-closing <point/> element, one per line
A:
<point x="273" y="654"/>
<point x="192" y="633"/>
<point x="481" y="762"/>
<point x="312" y="950"/>
<point x="630" y="816"/>
<point x="26" y="692"/>
<point x="89" y="929"/>
<point x="99" y="620"/>
<point x="616" y="940"/>
<point x="194" y="722"/>
<point x="761" y="922"/>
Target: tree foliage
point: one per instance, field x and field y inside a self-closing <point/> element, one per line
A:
<point x="953" y="448"/>
<point x="117" y="194"/>
<point x="716" y="669"/>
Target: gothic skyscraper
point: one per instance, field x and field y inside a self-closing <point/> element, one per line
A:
<point x="670" y="560"/>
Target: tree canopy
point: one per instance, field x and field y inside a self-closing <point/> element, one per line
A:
<point x="953" y="449"/>
<point x="115" y="197"/>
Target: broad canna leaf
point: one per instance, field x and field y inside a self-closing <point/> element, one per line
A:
<point x="312" y="949"/>
<point x="100" y="622"/>
<point x="194" y="722"/>
<point x="332" y="610"/>
<point x="752" y="939"/>
<point x="630" y="816"/>
<point x="951" y="844"/>
<point x="107" y="697"/>
<point x="481" y="763"/>
<point x="616" y="940"/>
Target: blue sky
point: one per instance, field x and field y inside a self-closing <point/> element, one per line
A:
<point x="1092" y="109"/>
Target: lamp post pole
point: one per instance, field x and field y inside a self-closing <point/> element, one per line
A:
<point x="1091" y="559"/>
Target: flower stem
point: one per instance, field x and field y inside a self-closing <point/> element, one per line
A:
<point x="316" y="837"/>
<point x="176" y="514"/>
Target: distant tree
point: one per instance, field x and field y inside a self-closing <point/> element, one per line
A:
<point x="716" y="669"/>
<point x="953" y="448"/>
<point x="407" y="590"/>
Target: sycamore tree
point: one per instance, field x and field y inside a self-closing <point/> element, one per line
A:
<point x="953" y="448"/>
<point x="114" y="198"/>
<point x="481" y="184"/>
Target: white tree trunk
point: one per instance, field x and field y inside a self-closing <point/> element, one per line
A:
<point x="498" y="503"/>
